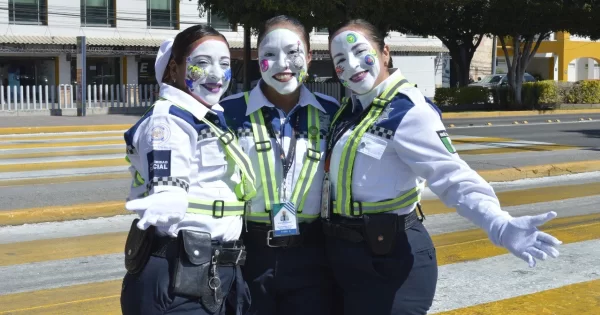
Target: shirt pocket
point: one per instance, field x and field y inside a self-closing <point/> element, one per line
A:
<point x="372" y="146"/>
<point x="212" y="154"/>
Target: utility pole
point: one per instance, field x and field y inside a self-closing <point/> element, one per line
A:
<point x="494" y="51"/>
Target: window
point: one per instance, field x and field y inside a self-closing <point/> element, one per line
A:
<point x="321" y="31"/>
<point x="98" y="13"/>
<point x="28" y="12"/>
<point x="162" y="14"/>
<point x="219" y="23"/>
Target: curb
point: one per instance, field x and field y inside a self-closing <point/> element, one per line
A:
<point x="113" y="208"/>
<point x="524" y="113"/>
<point x="537" y="171"/>
<point x="61" y="129"/>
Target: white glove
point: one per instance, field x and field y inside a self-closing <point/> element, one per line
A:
<point x="161" y="209"/>
<point x="522" y="238"/>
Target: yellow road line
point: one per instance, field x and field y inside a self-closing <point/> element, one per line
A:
<point x="62" y="213"/>
<point x="580" y="298"/>
<point x="61" y="153"/>
<point x="60" y="144"/>
<point x="474" y="244"/>
<point x="93" y="298"/>
<point x="63" y="136"/>
<point x="480" y="140"/>
<point x="525" y="196"/>
<point x="62" y="179"/>
<point x="61" y="165"/>
<point x="520" y="113"/>
<point x="62" y="248"/>
<point x="537" y="171"/>
<point x="58" y="129"/>
<point x="532" y="148"/>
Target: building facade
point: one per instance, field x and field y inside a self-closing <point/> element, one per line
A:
<point x="38" y="41"/>
<point x="561" y="57"/>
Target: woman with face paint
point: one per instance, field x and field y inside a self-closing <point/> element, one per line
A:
<point x="191" y="185"/>
<point x="385" y="142"/>
<point x="282" y="127"/>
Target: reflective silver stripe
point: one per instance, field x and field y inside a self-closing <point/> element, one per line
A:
<point x="406" y="199"/>
<point x="216" y="208"/>
<point x="343" y="204"/>
<point x="266" y="161"/>
<point x="266" y="218"/>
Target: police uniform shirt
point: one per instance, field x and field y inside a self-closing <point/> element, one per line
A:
<point x="407" y="146"/>
<point x="172" y="149"/>
<point x="237" y="114"/>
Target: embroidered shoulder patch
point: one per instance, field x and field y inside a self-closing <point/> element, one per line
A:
<point x="446" y="140"/>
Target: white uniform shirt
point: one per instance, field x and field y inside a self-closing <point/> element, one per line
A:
<point x="177" y="145"/>
<point x="403" y="149"/>
<point x="237" y="114"/>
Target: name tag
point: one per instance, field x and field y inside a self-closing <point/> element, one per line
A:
<point x="285" y="222"/>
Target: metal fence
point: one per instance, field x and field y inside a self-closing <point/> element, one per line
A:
<point x="49" y="97"/>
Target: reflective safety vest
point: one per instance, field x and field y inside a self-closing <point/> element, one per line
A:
<point x="244" y="191"/>
<point x="266" y="164"/>
<point x="343" y="204"/>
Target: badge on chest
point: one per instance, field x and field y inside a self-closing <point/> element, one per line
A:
<point x="285" y="221"/>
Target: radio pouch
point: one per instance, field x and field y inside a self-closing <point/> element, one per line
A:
<point x="380" y="232"/>
<point x="138" y="247"/>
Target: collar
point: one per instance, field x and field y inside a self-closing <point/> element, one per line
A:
<point x="367" y="98"/>
<point x="186" y="101"/>
<point x="257" y="100"/>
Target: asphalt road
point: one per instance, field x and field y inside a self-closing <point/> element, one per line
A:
<point x="510" y="120"/>
<point x="586" y="134"/>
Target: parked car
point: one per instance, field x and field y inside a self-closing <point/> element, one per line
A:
<point x="495" y="80"/>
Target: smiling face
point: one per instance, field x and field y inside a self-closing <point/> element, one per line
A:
<point x="283" y="60"/>
<point x="208" y="71"/>
<point x="356" y="61"/>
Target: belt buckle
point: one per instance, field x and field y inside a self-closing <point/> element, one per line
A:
<point x="269" y="238"/>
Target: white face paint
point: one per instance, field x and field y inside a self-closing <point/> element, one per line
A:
<point x="355" y="61"/>
<point x="282" y="60"/>
<point x="208" y="71"/>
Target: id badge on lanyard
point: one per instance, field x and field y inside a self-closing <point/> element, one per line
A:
<point x="284" y="215"/>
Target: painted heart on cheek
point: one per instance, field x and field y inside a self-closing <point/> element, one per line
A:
<point x="339" y="70"/>
<point x="264" y="65"/>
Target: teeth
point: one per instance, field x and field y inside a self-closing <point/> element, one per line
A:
<point x="283" y="76"/>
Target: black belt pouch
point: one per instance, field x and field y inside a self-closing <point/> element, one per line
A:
<point x="192" y="265"/>
<point x="138" y="247"/>
<point x="380" y="232"/>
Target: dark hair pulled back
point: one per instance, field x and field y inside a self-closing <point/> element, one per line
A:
<point x="371" y="31"/>
<point x="182" y="45"/>
<point x="284" y="19"/>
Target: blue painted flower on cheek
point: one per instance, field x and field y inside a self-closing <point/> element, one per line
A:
<point x="190" y="84"/>
<point x="227" y="75"/>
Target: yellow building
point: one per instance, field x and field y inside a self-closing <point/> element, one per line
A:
<point x="562" y="57"/>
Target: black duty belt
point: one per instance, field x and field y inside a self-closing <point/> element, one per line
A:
<point x="353" y="229"/>
<point x="309" y="234"/>
<point x="230" y="253"/>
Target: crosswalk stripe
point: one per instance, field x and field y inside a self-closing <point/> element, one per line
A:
<point x="61" y="129"/>
<point x="61" y="165"/>
<point x="45" y="137"/>
<point x="580" y="298"/>
<point x="96" y="298"/>
<point x="72" y="153"/>
<point x="70" y="212"/>
<point x="524" y="196"/>
<point x="62" y="248"/>
<point x="61" y="144"/>
<point x="62" y="179"/>
<point x="451" y="247"/>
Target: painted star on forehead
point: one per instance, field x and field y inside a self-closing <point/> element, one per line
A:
<point x="384" y="115"/>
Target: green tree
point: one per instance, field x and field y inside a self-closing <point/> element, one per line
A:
<point x="521" y="26"/>
<point x="457" y="23"/>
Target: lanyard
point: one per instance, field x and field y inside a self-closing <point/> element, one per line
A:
<point x="286" y="159"/>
